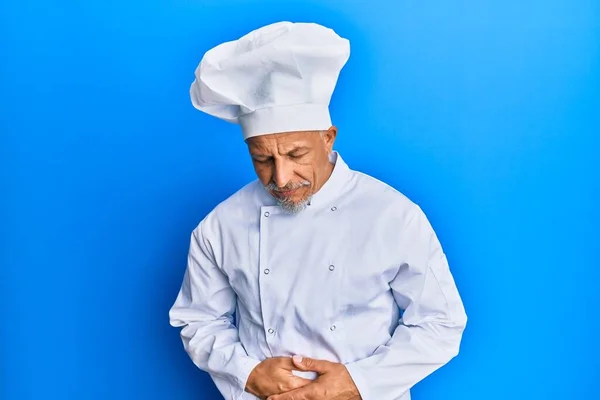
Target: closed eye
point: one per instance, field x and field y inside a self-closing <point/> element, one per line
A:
<point x="262" y="160"/>
<point x="297" y="155"/>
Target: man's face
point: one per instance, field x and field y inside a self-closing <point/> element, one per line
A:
<point x="292" y="166"/>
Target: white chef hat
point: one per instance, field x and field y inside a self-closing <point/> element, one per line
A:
<point x="278" y="78"/>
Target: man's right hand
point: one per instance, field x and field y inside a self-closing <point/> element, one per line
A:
<point x="274" y="376"/>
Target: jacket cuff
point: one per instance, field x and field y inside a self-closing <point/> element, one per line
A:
<point x="246" y="368"/>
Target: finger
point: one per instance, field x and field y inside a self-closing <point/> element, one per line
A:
<point x="297" y="394"/>
<point x="299" y="381"/>
<point x="311" y="364"/>
<point x="287" y="364"/>
<point x="293" y="382"/>
<point x="287" y="381"/>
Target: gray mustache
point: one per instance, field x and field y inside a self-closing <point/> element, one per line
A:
<point x="273" y="187"/>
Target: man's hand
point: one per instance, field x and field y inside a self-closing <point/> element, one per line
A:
<point x="274" y="376"/>
<point x="333" y="383"/>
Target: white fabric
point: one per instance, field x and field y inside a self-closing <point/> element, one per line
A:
<point x="359" y="277"/>
<point x="278" y="78"/>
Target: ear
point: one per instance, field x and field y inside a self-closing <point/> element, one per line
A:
<point x="329" y="138"/>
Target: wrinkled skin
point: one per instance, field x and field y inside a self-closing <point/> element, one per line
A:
<point x="293" y="165"/>
<point x="272" y="380"/>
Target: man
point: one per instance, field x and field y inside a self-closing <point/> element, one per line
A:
<point x="339" y="285"/>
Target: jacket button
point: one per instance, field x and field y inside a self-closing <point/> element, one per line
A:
<point x="267" y="271"/>
<point x="332" y="328"/>
<point x="331" y="267"/>
<point x="267" y="214"/>
<point x="271" y="331"/>
<point x="333" y="208"/>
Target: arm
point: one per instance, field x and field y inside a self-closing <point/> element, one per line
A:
<point x="432" y="324"/>
<point x="204" y="308"/>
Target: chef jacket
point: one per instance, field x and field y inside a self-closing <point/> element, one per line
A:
<point x="358" y="277"/>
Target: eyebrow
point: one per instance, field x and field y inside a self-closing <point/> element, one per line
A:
<point x="294" y="150"/>
<point x="260" y="155"/>
<point x="297" y="149"/>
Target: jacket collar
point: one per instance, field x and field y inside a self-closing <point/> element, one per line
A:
<point x="329" y="193"/>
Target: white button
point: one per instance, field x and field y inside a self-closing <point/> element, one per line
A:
<point x="333" y="208"/>
<point x="267" y="214"/>
<point x="332" y="327"/>
<point x="267" y="271"/>
<point x="271" y="331"/>
<point x="331" y="267"/>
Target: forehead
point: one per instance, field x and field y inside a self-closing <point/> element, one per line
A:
<point x="281" y="142"/>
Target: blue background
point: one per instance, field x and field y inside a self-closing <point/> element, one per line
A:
<point x="486" y="113"/>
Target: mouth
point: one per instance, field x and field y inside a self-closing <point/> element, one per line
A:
<point x="285" y="193"/>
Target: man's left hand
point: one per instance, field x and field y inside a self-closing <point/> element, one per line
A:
<point x="333" y="383"/>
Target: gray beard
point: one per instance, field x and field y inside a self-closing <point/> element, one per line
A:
<point x="288" y="205"/>
<point x="291" y="207"/>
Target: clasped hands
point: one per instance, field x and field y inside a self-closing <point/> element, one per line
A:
<point x="273" y="379"/>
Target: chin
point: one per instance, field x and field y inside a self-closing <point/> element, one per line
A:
<point x="293" y="207"/>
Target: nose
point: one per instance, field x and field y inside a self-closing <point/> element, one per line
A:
<point x="283" y="173"/>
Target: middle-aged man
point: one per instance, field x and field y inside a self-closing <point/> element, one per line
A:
<point x="340" y="287"/>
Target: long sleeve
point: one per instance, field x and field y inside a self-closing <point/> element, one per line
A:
<point x="204" y="308"/>
<point x="431" y="326"/>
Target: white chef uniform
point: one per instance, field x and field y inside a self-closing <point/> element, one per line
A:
<point x="358" y="277"/>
